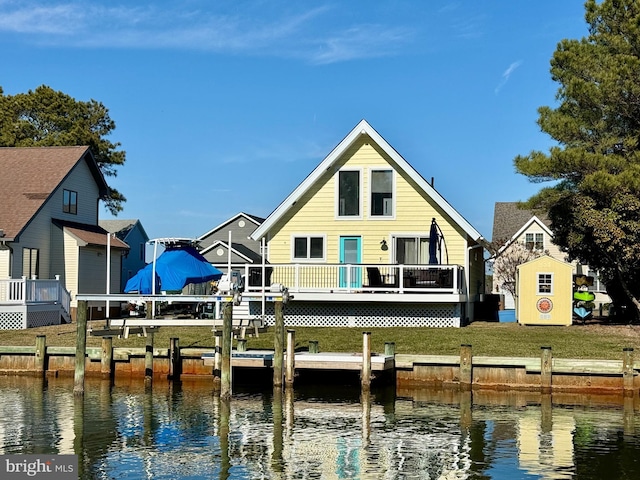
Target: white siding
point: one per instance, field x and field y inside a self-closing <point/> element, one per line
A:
<point x="5" y="255"/>
<point x="71" y="253"/>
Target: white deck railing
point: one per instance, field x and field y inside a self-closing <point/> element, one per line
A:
<point x="24" y="291"/>
<point x="354" y="278"/>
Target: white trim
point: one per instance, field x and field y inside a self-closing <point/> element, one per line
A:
<point x="336" y="202"/>
<point x="218" y="243"/>
<point x="551" y="285"/>
<point x="523" y="229"/>
<point x="363" y="128"/>
<point x="308" y="236"/>
<point x="394" y="194"/>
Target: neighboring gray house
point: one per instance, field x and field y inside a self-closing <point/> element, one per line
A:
<point x="133" y="234"/>
<point x="214" y="245"/>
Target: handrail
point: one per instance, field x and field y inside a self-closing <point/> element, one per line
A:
<point x="353" y="278"/>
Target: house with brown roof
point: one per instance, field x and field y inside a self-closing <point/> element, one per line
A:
<point x="512" y="224"/>
<point x="51" y="246"/>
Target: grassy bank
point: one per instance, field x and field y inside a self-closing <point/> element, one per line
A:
<point x="495" y="339"/>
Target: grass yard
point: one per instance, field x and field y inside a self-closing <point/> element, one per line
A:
<point x="595" y="341"/>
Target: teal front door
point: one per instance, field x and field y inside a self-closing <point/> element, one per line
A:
<point x="351" y="253"/>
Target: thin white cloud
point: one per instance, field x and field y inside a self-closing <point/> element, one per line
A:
<point x="507" y="74"/>
<point x="365" y="41"/>
<point x="245" y="30"/>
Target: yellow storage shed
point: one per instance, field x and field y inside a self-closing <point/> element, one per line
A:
<point x="545" y="292"/>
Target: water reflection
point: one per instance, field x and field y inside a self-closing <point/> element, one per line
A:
<point x="183" y="430"/>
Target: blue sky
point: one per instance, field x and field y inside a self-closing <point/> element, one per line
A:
<point x="226" y="106"/>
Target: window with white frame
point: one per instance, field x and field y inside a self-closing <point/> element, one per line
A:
<point x="534" y="241"/>
<point x="545" y="283"/>
<point x="308" y="248"/>
<point x="411" y="250"/>
<point x="381" y="193"/>
<point x="348" y="193"/>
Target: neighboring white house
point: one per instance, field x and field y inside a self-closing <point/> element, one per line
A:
<point x="514" y="225"/>
<point x="49" y="202"/>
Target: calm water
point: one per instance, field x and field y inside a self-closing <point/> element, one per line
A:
<point x="182" y="430"/>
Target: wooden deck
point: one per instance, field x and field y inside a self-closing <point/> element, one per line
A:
<point x="306" y="360"/>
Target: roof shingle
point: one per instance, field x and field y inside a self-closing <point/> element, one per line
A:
<point x="28" y="176"/>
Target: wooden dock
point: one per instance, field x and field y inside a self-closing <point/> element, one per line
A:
<point x="306" y="360"/>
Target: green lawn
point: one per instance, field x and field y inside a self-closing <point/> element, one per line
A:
<point x="494" y="339"/>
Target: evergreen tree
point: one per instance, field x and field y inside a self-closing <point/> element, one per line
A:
<point x="45" y="118"/>
<point x="594" y="200"/>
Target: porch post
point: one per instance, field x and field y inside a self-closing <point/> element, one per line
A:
<point x="57" y="277"/>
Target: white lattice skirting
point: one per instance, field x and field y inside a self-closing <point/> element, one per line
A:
<point x="365" y="315"/>
<point x="18" y="317"/>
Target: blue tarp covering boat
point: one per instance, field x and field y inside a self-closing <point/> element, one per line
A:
<point x="175" y="268"/>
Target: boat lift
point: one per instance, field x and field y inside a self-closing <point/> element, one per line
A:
<point x="138" y="325"/>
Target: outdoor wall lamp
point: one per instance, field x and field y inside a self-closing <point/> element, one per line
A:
<point x="383" y="244"/>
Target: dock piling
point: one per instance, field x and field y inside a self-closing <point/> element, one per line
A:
<point x="466" y="366"/>
<point x="366" y="360"/>
<point x="546" y="364"/>
<point x="81" y="347"/>
<point x="627" y="370"/>
<point x="225" y="361"/>
<point x="41" y="354"/>
<point x="175" y="361"/>
<point x="389" y="349"/>
<point x="148" y="360"/>
<point x="106" y="360"/>
<point x="291" y="357"/>
<point x="278" y="343"/>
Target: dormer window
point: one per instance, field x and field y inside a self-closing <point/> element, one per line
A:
<point x="70" y="202"/>
<point x="534" y="241"/>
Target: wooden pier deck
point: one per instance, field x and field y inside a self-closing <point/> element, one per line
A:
<point x="306" y="360"/>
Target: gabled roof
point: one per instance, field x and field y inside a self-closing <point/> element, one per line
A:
<point x="30" y="175"/>
<point x="508" y="220"/>
<point x="237" y="248"/>
<point x="252" y="218"/>
<point x="90" y="234"/>
<point x="363" y="128"/>
<point x="122" y="228"/>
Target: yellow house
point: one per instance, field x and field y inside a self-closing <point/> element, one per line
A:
<point x="365" y="222"/>
<point x="545" y="292"/>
